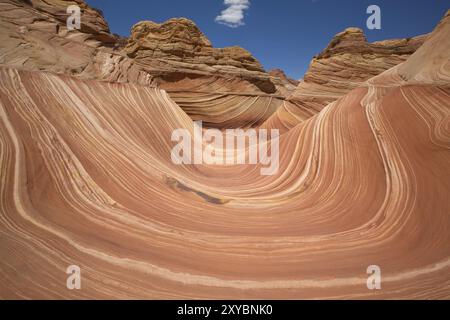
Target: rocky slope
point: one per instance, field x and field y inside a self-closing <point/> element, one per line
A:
<point x="178" y="47"/>
<point x="347" y="62"/>
<point x="224" y="87"/>
<point x="34" y="36"/>
<point x="174" y="55"/>
<point x="365" y="181"/>
<point x="285" y="84"/>
<point x="87" y="180"/>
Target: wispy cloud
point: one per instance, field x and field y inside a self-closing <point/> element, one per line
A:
<point x="233" y="16"/>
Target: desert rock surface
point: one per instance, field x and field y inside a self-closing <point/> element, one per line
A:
<point x="347" y="63"/>
<point x="175" y="55"/>
<point x="87" y="179"/>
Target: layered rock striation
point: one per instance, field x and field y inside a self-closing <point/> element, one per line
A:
<point x="348" y="61"/>
<point x="174" y="55"/>
<point x="34" y="36"/>
<point x="225" y="87"/>
<point x="87" y="179"/>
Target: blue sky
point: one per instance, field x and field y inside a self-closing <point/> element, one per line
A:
<point x="283" y="34"/>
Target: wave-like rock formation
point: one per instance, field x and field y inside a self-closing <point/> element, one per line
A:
<point x="224" y="87"/>
<point x="348" y="61"/>
<point x="87" y="180"/>
<point x="174" y="54"/>
<point x="284" y="79"/>
<point x="178" y="46"/>
<point x="34" y="36"/>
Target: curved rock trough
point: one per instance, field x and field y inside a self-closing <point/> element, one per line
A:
<point x="87" y="177"/>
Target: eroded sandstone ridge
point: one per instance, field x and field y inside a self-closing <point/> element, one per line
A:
<point x="348" y="61"/>
<point x="87" y="179"/>
<point x="174" y="55"/>
<point x="284" y="80"/>
<point x="224" y="87"/>
<point x="34" y="36"/>
<point x="178" y="46"/>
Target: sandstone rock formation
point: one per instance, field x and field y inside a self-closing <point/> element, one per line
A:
<point x="347" y="62"/>
<point x="34" y="36"/>
<point x="178" y="46"/>
<point x="87" y="179"/>
<point x="282" y="81"/>
<point x="225" y="87"/>
<point x="175" y="55"/>
<point x="280" y="74"/>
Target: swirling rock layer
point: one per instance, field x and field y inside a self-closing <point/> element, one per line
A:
<point x="87" y="180"/>
<point x="34" y="36"/>
<point x="347" y="62"/>
<point x="176" y="53"/>
<point x="225" y="87"/>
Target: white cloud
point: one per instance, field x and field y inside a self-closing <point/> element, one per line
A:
<point x="233" y="16"/>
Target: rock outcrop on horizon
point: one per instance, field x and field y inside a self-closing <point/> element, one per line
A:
<point x="283" y="81"/>
<point x="174" y="55"/>
<point x="87" y="178"/>
<point x="281" y="75"/>
<point x="348" y="61"/>
<point x="34" y="36"/>
<point x="177" y="46"/>
<point x="224" y="87"/>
